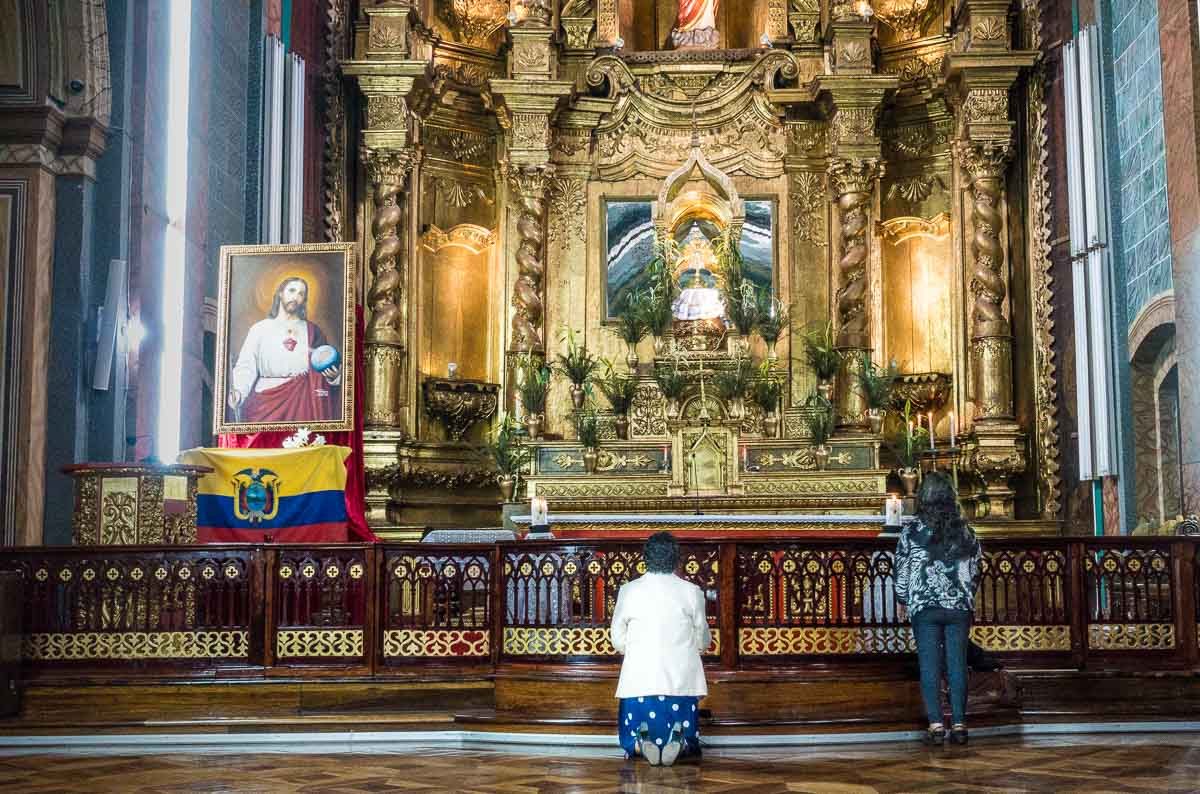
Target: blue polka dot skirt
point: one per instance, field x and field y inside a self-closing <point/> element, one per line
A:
<point x="660" y="713"/>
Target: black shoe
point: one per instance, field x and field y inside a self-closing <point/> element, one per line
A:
<point x="934" y="737"/>
<point x="958" y="735"/>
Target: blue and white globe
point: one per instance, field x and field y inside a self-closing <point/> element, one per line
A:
<point x="324" y="357"/>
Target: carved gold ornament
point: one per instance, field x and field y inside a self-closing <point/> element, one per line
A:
<point x="138" y="645"/>
<point x="435" y="643"/>
<point x="318" y="643"/>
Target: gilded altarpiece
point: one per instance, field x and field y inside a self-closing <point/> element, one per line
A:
<point x="887" y="148"/>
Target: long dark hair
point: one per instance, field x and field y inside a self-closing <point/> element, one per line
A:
<point x="301" y="312"/>
<point x="949" y="537"/>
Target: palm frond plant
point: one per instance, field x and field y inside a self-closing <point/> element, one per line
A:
<point x="533" y="386"/>
<point x="620" y="390"/>
<point x="732" y="385"/>
<point x="906" y="443"/>
<point x="820" y="350"/>
<point x="578" y="365"/>
<point x="773" y="321"/>
<point x="766" y="392"/>
<point x="739" y="294"/>
<point x="819" y="419"/>
<point x="631" y="327"/>
<point x="672" y="384"/>
<point x="509" y="454"/>
<point x="587" y="429"/>
<point x="876" y="384"/>
<point x="661" y="291"/>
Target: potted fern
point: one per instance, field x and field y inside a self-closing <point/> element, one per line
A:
<point x="765" y="392"/>
<point x="876" y="385"/>
<point x="510" y="455"/>
<point x="658" y="300"/>
<point x="578" y="365"/>
<point x="732" y="385"/>
<point x="821" y="352"/>
<point x="587" y="428"/>
<point x="773" y="322"/>
<point x="533" y="387"/>
<point x="740" y="296"/>
<point x="620" y="390"/>
<point x="671" y="384"/>
<point x="820" y="427"/>
<point x="631" y="328"/>
<point x="906" y="444"/>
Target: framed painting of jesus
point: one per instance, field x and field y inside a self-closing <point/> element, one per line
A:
<point x="285" y="338"/>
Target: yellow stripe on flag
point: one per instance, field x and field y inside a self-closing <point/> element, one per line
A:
<point x="299" y="471"/>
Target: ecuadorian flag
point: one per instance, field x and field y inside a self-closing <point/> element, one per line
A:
<point x="283" y="495"/>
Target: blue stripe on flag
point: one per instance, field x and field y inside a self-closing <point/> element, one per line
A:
<point x="315" y="507"/>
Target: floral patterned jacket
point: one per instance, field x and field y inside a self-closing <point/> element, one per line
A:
<point x="923" y="582"/>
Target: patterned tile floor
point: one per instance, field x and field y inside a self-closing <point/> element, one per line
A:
<point x="1160" y="762"/>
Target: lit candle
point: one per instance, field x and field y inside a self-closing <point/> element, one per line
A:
<point x="953" y="431"/>
<point x="452" y="370"/>
<point x="931" y="431"/>
<point x="745" y="459"/>
<point x="538" y="512"/>
<point x="893" y="508"/>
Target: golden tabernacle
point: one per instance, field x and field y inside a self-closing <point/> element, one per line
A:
<point x="776" y="265"/>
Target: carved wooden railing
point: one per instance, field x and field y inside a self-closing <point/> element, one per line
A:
<point x="393" y="609"/>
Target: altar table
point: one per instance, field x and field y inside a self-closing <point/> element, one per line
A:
<point x="710" y="525"/>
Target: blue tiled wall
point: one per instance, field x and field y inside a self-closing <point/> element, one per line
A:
<point x="1144" y="261"/>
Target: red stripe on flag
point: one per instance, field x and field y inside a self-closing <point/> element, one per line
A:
<point x="333" y="532"/>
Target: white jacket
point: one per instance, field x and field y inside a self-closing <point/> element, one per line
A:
<point x="659" y="625"/>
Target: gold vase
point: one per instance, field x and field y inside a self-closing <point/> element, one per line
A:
<point x="631" y="356"/>
<point x="621" y="424"/>
<point x="771" y="354"/>
<point x="825" y="388"/>
<point x="875" y="418"/>
<point x="910" y="477"/>
<point x="821" y="457"/>
<point x="533" y="425"/>
<point x="577" y="396"/>
<point x="589" y="460"/>
<point x="508" y="486"/>
<point x="771" y="425"/>
<point x="672" y="409"/>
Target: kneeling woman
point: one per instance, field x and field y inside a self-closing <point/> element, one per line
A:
<point x="659" y="624"/>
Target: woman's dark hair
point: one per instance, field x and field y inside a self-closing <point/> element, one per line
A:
<point x="950" y="539"/>
<point x="661" y="553"/>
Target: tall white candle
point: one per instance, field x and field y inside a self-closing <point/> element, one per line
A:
<point x="538" y="512"/>
<point x="893" y="508"/>
<point x="931" y="430"/>
<point x="953" y="431"/>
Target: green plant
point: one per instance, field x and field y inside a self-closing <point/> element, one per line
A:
<point x="587" y="427"/>
<point x="619" y="389"/>
<point x="671" y="382"/>
<point x="907" y="441"/>
<point x="578" y="364"/>
<point x="773" y="318"/>
<point x="660" y="294"/>
<point x="734" y="382"/>
<point x="534" y="378"/>
<point x="819" y="418"/>
<point x="506" y="449"/>
<point x="739" y="294"/>
<point x="876" y="382"/>
<point x="767" y="389"/>
<point x="631" y="321"/>
<point x="820" y="350"/>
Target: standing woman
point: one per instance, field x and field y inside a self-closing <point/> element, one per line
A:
<point x="937" y="570"/>
<point x="659" y="624"/>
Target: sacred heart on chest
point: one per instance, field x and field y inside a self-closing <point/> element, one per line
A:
<point x="290" y="344"/>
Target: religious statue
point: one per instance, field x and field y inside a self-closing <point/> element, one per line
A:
<point x="286" y="371"/>
<point x="696" y="25"/>
<point x="698" y="300"/>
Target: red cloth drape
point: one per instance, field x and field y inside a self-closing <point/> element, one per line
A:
<point x="356" y="486"/>
<point x="691" y="12"/>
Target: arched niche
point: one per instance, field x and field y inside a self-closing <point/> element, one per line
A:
<point x="918" y="310"/>
<point x="456" y="286"/>
<point x="646" y="24"/>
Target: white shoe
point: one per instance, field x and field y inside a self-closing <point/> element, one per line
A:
<point x="674" y="747"/>
<point x="646" y="747"/>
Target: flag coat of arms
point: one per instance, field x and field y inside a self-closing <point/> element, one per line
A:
<point x="283" y="495"/>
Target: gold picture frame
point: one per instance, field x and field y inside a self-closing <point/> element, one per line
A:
<point x="278" y="304"/>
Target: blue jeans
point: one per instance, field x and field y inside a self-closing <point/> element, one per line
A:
<point x="942" y="634"/>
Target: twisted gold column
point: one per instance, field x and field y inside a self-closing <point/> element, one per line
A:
<point x="852" y="183"/>
<point x="529" y="185"/>
<point x="384" y="343"/>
